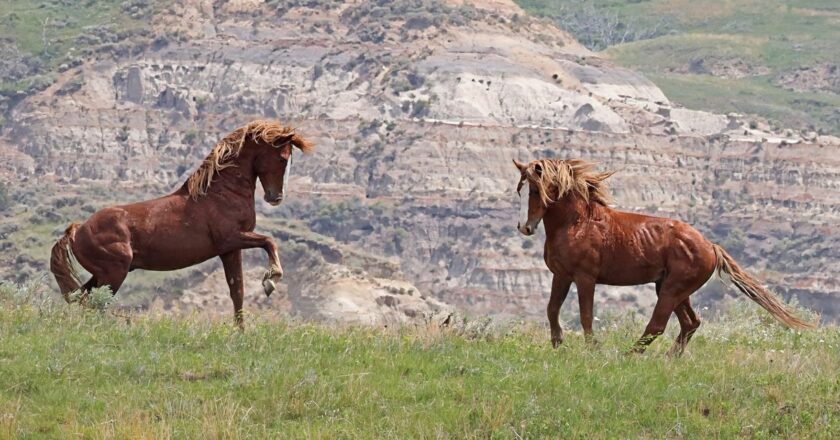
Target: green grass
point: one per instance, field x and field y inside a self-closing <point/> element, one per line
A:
<point x="68" y="373"/>
<point x="46" y="31"/>
<point x="50" y="27"/>
<point x="769" y="36"/>
<point x="753" y="96"/>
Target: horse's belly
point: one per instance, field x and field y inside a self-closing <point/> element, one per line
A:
<point x="172" y="254"/>
<point x="169" y="263"/>
<point x="628" y="275"/>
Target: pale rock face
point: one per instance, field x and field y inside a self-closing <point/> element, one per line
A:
<point x="698" y="122"/>
<point x="426" y="122"/>
<point x="520" y="102"/>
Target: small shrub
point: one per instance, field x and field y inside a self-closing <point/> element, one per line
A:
<point x="122" y="136"/>
<point x="317" y="71"/>
<point x="190" y="137"/>
<point x="72" y="86"/>
<point x="99" y="298"/>
<point x="420" y="108"/>
<point x="5" y="201"/>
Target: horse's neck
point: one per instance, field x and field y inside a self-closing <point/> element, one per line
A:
<point x="237" y="180"/>
<point x="566" y="213"/>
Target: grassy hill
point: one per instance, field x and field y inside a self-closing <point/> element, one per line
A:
<point x="39" y="39"/>
<point x="68" y="372"/>
<point x="771" y="58"/>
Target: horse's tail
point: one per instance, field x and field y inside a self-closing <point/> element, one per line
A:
<point x="750" y="287"/>
<point x="61" y="263"/>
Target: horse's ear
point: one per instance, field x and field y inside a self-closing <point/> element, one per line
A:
<point x="282" y="140"/>
<point x="521" y="166"/>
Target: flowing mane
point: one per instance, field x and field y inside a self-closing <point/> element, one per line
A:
<point x="231" y="145"/>
<point x="572" y="175"/>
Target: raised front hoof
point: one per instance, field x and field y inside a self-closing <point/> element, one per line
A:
<point x="269" y="286"/>
<point x="271" y="279"/>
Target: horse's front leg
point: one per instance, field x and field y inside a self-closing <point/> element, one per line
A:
<point x="559" y="289"/>
<point x="232" y="262"/>
<point x="586" y="299"/>
<point x="249" y="240"/>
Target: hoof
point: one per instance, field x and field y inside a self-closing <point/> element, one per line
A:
<point x="271" y="278"/>
<point x="556" y="342"/>
<point x="269" y="286"/>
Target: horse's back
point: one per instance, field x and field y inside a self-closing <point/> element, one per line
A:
<point x="647" y="247"/>
<point x="681" y="246"/>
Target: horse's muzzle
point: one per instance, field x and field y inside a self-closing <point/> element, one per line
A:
<point x="273" y="200"/>
<point x="526" y="229"/>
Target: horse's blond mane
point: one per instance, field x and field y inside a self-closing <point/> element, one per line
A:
<point x="231" y="145"/>
<point x="571" y="175"/>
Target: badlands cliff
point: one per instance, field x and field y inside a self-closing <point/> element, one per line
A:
<point x="418" y="108"/>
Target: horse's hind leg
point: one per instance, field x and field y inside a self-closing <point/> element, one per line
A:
<point x="656" y="325"/>
<point x="671" y="292"/>
<point x="108" y="263"/>
<point x="113" y="277"/>
<point x="689" y="322"/>
<point x="90" y="284"/>
<point x="232" y="262"/>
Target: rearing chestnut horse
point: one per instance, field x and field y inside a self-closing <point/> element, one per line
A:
<point x="588" y="243"/>
<point x="211" y="215"/>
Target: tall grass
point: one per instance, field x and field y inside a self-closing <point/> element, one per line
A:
<point x="72" y="372"/>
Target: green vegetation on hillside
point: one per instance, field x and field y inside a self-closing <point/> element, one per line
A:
<point x="770" y="58"/>
<point x="70" y="373"/>
<point x="39" y="38"/>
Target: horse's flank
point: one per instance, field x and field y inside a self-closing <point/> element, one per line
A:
<point x="231" y="145"/>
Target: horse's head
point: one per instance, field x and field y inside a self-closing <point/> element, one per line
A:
<point x="263" y="147"/>
<point x="273" y="162"/>
<point x="530" y="175"/>
<point x="272" y="166"/>
<point x="555" y="182"/>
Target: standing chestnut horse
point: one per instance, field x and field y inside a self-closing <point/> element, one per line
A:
<point x="588" y="243"/>
<point x="211" y="215"/>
